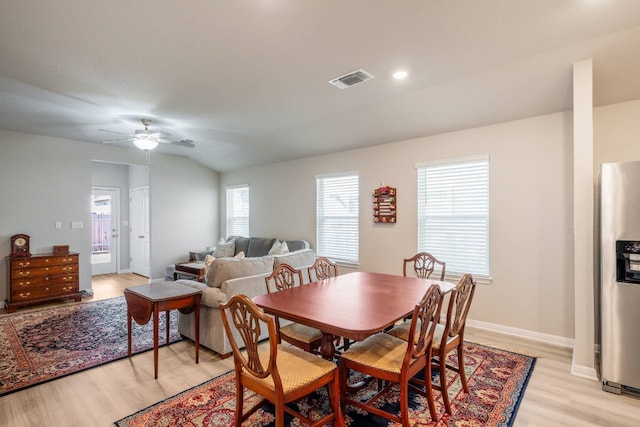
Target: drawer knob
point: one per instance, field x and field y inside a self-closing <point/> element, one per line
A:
<point x="24" y="295"/>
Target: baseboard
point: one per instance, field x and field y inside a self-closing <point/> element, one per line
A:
<point x="577" y="370"/>
<point x="583" y="371"/>
<point x="125" y="270"/>
<point x="522" y="333"/>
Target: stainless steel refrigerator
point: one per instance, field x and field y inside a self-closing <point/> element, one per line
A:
<point x="620" y="277"/>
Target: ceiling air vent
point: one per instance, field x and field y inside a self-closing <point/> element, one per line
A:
<point x="351" y="79"/>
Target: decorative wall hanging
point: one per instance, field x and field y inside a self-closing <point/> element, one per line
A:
<point x="384" y="204"/>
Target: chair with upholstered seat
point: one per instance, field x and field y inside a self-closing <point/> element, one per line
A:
<point x="322" y="268"/>
<point x="449" y="336"/>
<point x="424" y="264"/>
<point x="279" y="373"/>
<point x="395" y="361"/>
<point x="305" y="337"/>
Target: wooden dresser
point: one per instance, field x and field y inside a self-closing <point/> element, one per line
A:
<point x="42" y="277"/>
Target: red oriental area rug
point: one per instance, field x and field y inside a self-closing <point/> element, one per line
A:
<point x="497" y="381"/>
<point x="43" y="345"/>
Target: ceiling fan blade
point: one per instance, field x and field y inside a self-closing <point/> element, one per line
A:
<point x="109" y="141"/>
<point x="113" y="131"/>
<point x="184" y="143"/>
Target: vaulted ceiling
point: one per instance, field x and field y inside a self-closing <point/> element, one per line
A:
<point x="248" y="80"/>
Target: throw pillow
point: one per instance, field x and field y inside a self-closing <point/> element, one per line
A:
<point x="225" y="249"/>
<point x="207" y="263"/>
<point x="279" y="248"/>
<point x="239" y="255"/>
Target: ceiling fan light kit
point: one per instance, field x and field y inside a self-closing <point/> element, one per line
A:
<point x="145" y="143"/>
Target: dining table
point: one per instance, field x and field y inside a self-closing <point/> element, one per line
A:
<point x="353" y="305"/>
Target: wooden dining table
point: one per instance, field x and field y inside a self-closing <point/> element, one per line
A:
<point x="354" y="305"/>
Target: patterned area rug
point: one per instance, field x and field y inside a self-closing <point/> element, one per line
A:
<point x="497" y="380"/>
<point x="43" y="345"/>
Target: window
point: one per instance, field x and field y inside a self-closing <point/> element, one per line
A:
<point x="238" y="211"/>
<point x="453" y="215"/>
<point x="337" y="217"/>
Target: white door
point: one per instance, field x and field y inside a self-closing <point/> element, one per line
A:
<point x="105" y="215"/>
<point x="139" y="237"/>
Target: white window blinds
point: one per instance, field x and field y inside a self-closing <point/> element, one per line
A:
<point x="453" y="215"/>
<point x="238" y="211"/>
<point x="337" y="217"/>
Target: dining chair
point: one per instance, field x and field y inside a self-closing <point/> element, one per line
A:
<point x="280" y="374"/>
<point x="305" y="337"/>
<point x="392" y="360"/>
<point x="322" y="268"/>
<point x="448" y="337"/>
<point x="424" y="264"/>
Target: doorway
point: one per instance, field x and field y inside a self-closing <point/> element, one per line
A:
<point x="105" y="242"/>
<point x="139" y="237"/>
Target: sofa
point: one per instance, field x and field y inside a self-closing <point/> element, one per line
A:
<point x="248" y="246"/>
<point x="228" y="276"/>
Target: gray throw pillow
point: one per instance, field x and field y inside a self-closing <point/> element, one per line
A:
<point x="225" y="250"/>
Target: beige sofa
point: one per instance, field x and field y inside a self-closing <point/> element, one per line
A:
<point x="228" y="277"/>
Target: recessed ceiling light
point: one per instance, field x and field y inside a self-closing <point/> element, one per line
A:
<point x="399" y="75"/>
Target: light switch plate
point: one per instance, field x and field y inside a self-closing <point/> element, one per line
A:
<point x="77" y="224"/>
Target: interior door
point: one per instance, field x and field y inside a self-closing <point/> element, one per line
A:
<point x="105" y="212"/>
<point x="140" y="232"/>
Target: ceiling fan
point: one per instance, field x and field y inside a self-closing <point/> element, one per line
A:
<point x="146" y="139"/>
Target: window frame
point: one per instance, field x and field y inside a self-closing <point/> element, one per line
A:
<point x="232" y="216"/>
<point x="473" y="212"/>
<point x="332" y="243"/>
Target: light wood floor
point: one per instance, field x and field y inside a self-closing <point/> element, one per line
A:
<point x="100" y="396"/>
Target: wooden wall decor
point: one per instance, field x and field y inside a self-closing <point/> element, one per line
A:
<point x="384" y="204"/>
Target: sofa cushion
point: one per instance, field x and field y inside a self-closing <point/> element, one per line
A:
<point x="297" y="245"/>
<point x="223" y="269"/>
<point x="297" y="259"/>
<point x="242" y="244"/>
<point x="259" y="246"/>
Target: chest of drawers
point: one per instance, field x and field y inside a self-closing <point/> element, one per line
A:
<point x="40" y="278"/>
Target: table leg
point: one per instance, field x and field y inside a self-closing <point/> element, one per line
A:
<point x="129" y="332"/>
<point x="327" y="348"/>
<point x="197" y="325"/>
<point x="155" y="340"/>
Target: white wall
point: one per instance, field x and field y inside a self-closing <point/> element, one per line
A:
<point x="43" y="180"/>
<point x="616" y="134"/>
<point x="530" y="207"/>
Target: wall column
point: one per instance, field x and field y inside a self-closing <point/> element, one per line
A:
<point x="584" y="227"/>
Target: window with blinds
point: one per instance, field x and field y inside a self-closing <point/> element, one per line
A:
<point x="453" y="215"/>
<point x="337" y="216"/>
<point x="238" y="211"/>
